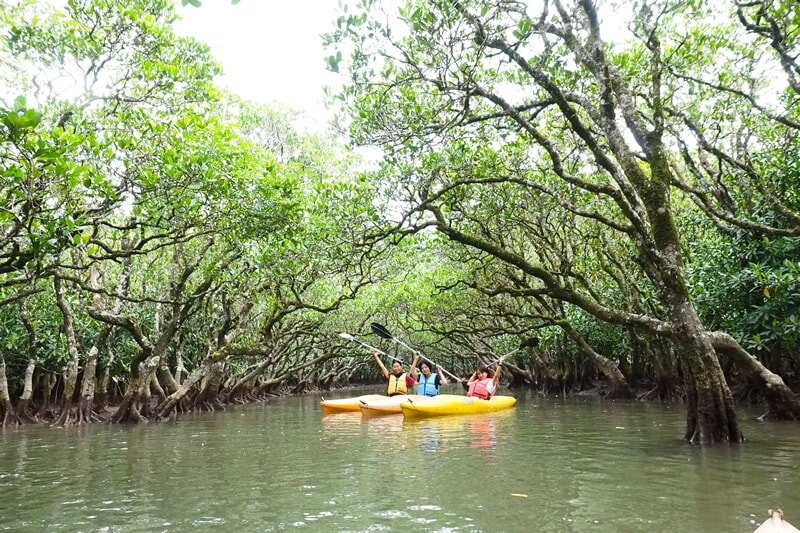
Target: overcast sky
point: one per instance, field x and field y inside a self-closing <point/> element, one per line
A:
<point x="270" y="49"/>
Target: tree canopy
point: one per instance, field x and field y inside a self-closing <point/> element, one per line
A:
<point x="616" y="179"/>
<point x="567" y="159"/>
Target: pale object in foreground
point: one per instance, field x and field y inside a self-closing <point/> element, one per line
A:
<point x="347" y="404"/>
<point x="776" y="523"/>
<point x="387" y="405"/>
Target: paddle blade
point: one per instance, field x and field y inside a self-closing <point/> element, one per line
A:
<point x="529" y="343"/>
<point x="347" y="336"/>
<point x="380" y="331"/>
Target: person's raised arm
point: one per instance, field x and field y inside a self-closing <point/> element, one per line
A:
<point x="413" y="369"/>
<point x="442" y="379"/>
<point x="380" y="364"/>
<point x="496" y="377"/>
<point x="492" y="388"/>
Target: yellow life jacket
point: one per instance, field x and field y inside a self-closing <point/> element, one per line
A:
<point x="397" y="385"/>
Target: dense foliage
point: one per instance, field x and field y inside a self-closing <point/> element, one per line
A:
<point x="562" y="150"/>
<point x="620" y="183"/>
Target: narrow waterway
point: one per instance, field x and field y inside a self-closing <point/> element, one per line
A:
<point x="550" y="464"/>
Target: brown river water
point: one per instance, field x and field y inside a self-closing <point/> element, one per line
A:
<point x="549" y="464"/>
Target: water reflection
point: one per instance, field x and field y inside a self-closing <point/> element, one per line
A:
<point x="584" y="465"/>
<point x="342" y="423"/>
<point x="393" y="433"/>
<point x="482" y="435"/>
<point x="429" y="438"/>
<point x="388" y="427"/>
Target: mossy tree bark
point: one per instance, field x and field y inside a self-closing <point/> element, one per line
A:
<point x="67" y="414"/>
<point x="7" y="411"/>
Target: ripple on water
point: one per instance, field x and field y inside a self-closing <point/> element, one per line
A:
<point x="212" y="520"/>
<point x="584" y="466"/>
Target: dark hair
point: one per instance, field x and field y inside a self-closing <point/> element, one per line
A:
<point x="483" y="368"/>
<point x="426" y="363"/>
<point x="401" y="367"/>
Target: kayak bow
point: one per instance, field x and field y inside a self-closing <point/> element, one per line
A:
<point x="347" y="404"/>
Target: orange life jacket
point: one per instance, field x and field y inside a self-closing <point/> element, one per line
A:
<point x="480" y="388"/>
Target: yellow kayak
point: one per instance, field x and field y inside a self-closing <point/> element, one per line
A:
<point x="455" y="404"/>
<point x="347" y="404"/>
<point x="387" y="405"/>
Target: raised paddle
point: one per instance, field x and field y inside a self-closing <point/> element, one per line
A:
<point x="527" y="343"/>
<point x="364" y="344"/>
<point x="383" y="333"/>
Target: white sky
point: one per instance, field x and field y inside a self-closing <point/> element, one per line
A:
<point x="271" y="50"/>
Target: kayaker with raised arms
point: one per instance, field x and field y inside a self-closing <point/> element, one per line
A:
<point x="399" y="381"/>
<point x="428" y="382"/>
<point x="483" y="382"/>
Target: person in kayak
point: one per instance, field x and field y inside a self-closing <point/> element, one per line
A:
<point x="399" y="381"/>
<point x="483" y="382"/>
<point x="428" y="382"/>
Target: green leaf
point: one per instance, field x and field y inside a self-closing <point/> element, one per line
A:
<point x="525" y="25"/>
<point x="23" y="118"/>
<point x="333" y="62"/>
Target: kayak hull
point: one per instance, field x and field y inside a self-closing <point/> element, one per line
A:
<point x="387" y="405"/>
<point x="453" y="404"/>
<point x="344" y="405"/>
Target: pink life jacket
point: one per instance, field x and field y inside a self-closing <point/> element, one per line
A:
<point x="479" y="389"/>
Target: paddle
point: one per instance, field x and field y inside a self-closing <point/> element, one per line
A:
<point x="527" y="343"/>
<point x="364" y="344"/>
<point x="531" y="342"/>
<point x="383" y="333"/>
